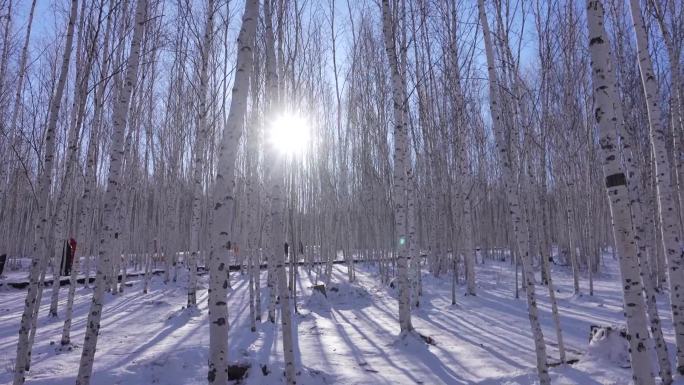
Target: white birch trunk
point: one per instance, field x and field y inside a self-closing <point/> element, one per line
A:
<point x="276" y="188"/>
<point x="644" y="239"/>
<point x="223" y="206"/>
<point x="272" y="83"/>
<point x="399" y="177"/>
<point x="519" y="226"/>
<point x="252" y="315"/>
<point x="108" y="235"/>
<point x="20" y="85"/>
<point x="34" y="321"/>
<point x="256" y="272"/>
<point x="5" y="47"/>
<point x="603" y="80"/>
<point x="77" y="114"/>
<point x="546" y="247"/>
<point x="85" y="202"/>
<point x="413" y="240"/>
<point x="467" y="233"/>
<point x="40" y="245"/>
<point x="147" y="257"/>
<point x="570" y="220"/>
<point x="277" y="245"/>
<point x="271" y="277"/>
<point x="676" y="99"/>
<point x="670" y="225"/>
<point x="198" y="156"/>
<point x="253" y="201"/>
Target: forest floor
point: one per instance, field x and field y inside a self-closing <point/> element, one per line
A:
<point x="351" y="337"/>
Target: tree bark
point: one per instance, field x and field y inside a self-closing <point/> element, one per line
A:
<point x="520" y="228"/>
<point x="108" y="235"/>
<point x="670" y="225"/>
<point x="399" y="178"/>
<point x="40" y="245"/>
<point x="223" y="200"/>
<point x="603" y="79"/>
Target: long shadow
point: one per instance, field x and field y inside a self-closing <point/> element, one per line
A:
<point x="383" y="328"/>
<point x="434" y="364"/>
<point x="487" y="318"/>
<point x="322" y="315"/>
<point x="234" y="289"/>
<point x="266" y="332"/>
<point x="173" y="324"/>
<point x="322" y="354"/>
<point x="531" y="378"/>
<point x="471" y="325"/>
<point x="485" y="326"/>
<point x="152" y="342"/>
<point x="358" y="354"/>
<point x="53" y="326"/>
<point x="486" y="345"/>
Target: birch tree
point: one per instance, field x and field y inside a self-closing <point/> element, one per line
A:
<point x="520" y="228"/>
<point x="603" y="81"/>
<point x="198" y="153"/>
<point x="224" y="200"/>
<point x="86" y="197"/>
<point x="401" y="158"/>
<point x="670" y="226"/>
<point x="41" y="244"/>
<point x="108" y="235"/>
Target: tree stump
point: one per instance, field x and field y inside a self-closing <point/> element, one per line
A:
<point x="321" y="289"/>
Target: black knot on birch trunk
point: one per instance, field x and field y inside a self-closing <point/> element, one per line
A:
<point x="596" y="40"/>
<point x="614" y="180"/>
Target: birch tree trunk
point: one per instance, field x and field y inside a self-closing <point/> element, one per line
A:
<point x="277" y="244"/>
<point x="570" y="220"/>
<point x="252" y="220"/>
<point x="4" y="56"/>
<point x="58" y="236"/>
<point x="199" y="154"/>
<point x="276" y="188"/>
<point x="223" y="207"/>
<point x="40" y="245"/>
<point x="413" y="240"/>
<point x="670" y="225"/>
<point x="467" y="230"/>
<point x="14" y="136"/>
<point x="399" y="177"/>
<point x="674" y="51"/>
<point x="545" y="243"/>
<point x="603" y="79"/>
<point x="85" y="206"/>
<point x="519" y="225"/>
<point x="108" y="236"/>
<point x="272" y="89"/>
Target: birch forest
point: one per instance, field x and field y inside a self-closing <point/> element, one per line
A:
<point x="341" y="192"/>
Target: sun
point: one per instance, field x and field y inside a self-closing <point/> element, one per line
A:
<point x="289" y="134"/>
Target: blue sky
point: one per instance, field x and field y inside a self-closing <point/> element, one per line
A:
<point x="43" y="21"/>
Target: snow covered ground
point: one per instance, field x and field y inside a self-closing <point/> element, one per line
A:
<point x="349" y="338"/>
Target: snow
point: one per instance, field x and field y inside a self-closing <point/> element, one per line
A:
<point x="350" y="337"/>
<point x="607" y="344"/>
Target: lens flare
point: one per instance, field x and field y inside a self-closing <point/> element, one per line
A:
<point x="289" y="134"/>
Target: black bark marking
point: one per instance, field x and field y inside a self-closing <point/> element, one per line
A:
<point x="616" y="180"/>
<point x="596" y="40"/>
